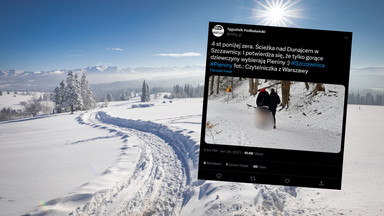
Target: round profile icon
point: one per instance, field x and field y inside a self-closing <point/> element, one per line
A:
<point x="218" y="30"/>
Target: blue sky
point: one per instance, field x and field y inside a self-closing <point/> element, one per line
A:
<point x="64" y="34"/>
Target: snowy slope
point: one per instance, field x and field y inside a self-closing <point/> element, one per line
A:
<point x="146" y="159"/>
<point x="42" y="159"/>
<point x="363" y="175"/>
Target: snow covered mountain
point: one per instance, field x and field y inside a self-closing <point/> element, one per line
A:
<point x="47" y="80"/>
<point x="90" y="70"/>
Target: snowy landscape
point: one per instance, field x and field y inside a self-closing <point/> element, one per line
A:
<point x="101" y="106"/>
<point x="135" y="158"/>
<point x="311" y="123"/>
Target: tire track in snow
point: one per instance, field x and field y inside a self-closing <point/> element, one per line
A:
<point x="183" y="146"/>
<point x="161" y="177"/>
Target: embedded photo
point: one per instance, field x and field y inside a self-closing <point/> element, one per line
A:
<point x="276" y="114"/>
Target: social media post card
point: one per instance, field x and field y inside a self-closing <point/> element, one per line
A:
<point x="275" y="105"/>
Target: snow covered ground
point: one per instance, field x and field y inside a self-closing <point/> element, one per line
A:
<point x="13" y="100"/>
<point x="121" y="160"/>
<point x="310" y="124"/>
<point x="45" y="158"/>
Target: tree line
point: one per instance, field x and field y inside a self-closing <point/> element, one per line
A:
<point x="187" y="91"/>
<point x="367" y="99"/>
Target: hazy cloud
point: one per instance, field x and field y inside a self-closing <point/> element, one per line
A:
<point x="368" y="71"/>
<point x="186" y="54"/>
<point x="115" y="49"/>
<point x="57" y="72"/>
<point x="366" y="78"/>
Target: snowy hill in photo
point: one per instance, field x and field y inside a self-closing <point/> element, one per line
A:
<point x="134" y="158"/>
<point x="310" y="122"/>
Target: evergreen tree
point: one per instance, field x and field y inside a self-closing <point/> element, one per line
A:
<point x="351" y="98"/>
<point x="379" y="99"/>
<point x="57" y="100"/>
<point x="124" y="96"/>
<point x="145" y="97"/>
<point x="148" y="96"/>
<point x="86" y="93"/>
<point x="109" y="97"/>
<point x="188" y="91"/>
<point x="63" y="95"/>
<point x="369" y="99"/>
<point x="60" y="97"/>
<point x="358" y="98"/>
<point x="73" y="90"/>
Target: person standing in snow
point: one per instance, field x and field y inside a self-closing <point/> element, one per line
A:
<point x="263" y="99"/>
<point x="262" y="111"/>
<point x="275" y="100"/>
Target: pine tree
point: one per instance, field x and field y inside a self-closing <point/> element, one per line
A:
<point x="86" y="93"/>
<point x="351" y="98"/>
<point x="73" y="90"/>
<point x="145" y="97"/>
<point x="358" y="98"/>
<point x="63" y="95"/>
<point x="80" y="103"/>
<point x="379" y="99"/>
<point x="124" y="96"/>
<point x="148" y="96"/>
<point x="57" y="100"/>
<point x="369" y="99"/>
<point x="143" y="94"/>
<point x="109" y="97"/>
<point x="60" y="97"/>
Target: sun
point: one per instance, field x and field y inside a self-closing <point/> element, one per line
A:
<point x="276" y="12"/>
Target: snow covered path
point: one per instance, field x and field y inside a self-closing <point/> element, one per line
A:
<point x="235" y="126"/>
<point x="157" y="183"/>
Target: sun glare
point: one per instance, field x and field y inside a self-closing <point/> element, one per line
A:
<point x="276" y="12"/>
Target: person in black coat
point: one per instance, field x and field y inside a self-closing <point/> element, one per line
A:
<point x="263" y="102"/>
<point x="275" y="100"/>
<point x="263" y="99"/>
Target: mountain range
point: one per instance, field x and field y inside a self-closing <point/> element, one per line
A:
<point x="111" y="77"/>
<point x="101" y="74"/>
